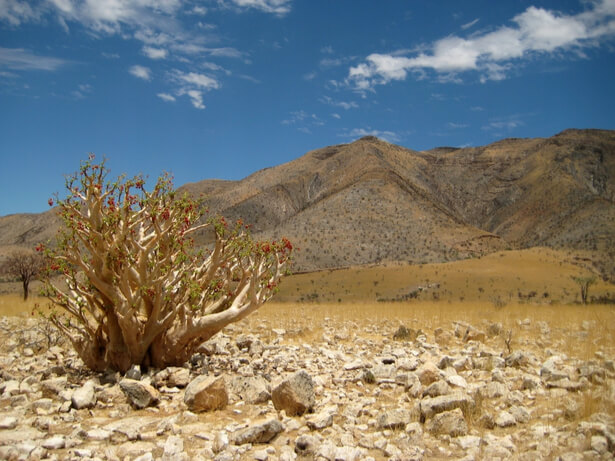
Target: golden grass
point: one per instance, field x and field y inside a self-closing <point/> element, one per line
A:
<point x="537" y="275"/>
<point x="576" y="330"/>
<point x="13" y="305"/>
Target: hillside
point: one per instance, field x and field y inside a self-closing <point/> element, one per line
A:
<point x="370" y="201"/>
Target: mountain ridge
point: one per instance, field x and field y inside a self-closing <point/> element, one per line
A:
<point x="371" y="201"/>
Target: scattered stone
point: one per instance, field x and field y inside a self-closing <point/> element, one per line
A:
<point x="450" y="423"/>
<point x="262" y="432"/>
<point x="251" y="389"/>
<point x="139" y="394"/>
<point x="295" y="394"/>
<point x="428" y="373"/>
<point x="84" y="397"/>
<point x="405" y="334"/>
<point x="8" y="422"/>
<point x="206" y="393"/>
<point x="432" y="405"/>
<point x="134" y="373"/>
<point x="53" y="387"/>
<point x="322" y="419"/>
<point x="505" y="419"/>
<point x="54" y="443"/>
<point x="306" y="445"/>
<point x="172" y="377"/>
<point x="599" y="444"/>
<point x="397" y="418"/>
<point x="435" y="389"/>
<point x="517" y="360"/>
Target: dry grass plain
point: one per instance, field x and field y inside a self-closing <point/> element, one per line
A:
<point x="536" y="276"/>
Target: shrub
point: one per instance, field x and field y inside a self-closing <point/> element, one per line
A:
<point x="137" y="291"/>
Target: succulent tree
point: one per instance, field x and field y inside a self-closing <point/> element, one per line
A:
<point x="135" y="289"/>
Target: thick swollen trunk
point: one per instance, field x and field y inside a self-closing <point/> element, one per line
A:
<point x="166" y="352"/>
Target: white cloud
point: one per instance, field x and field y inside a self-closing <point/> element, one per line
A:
<point x="82" y="91"/>
<point x="155" y="53"/>
<point x="141" y="72"/>
<point x="303" y="120"/>
<point x="535" y="31"/>
<point x="196" y="80"/>
<point x="279" y="7"/>
<point x="457" y="126"/>
<point x="166" y="97"/>
<point x="469" y="24"/>
<point x="20" y="59"/>
<point x="346" y="105"/>
<point x="110" y="15"/>
<point x="15" y="12"/>
<point x="199" y="10"/>
<point x="388" y="136"/>
<point x="196" y="97"/>
<point x="192" y="84"/>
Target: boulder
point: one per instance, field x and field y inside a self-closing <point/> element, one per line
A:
<point x="139" y="394"/>
<point x="260" y="432"/>
<point x="206" y="393"/>
<point x="295" y="394"/>
<point x="450" y="423"/>
<point x="251" y="389"/>
<point x="84" y="397"/>
<point x="394" y="419"/>
<point x="433" y="405"/>
<point x="172" y="377"/>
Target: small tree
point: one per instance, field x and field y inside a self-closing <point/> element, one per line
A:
<point x="24" y="266"/>
<point x="137" y="290"/>
<point x="584" y="283"/>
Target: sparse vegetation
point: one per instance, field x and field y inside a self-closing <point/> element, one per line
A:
<point x="25" y="266"/>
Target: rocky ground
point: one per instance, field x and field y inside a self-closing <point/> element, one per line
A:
<point x="349" y="392"/>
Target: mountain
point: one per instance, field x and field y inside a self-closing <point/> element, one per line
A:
<point x="371" y="201"/>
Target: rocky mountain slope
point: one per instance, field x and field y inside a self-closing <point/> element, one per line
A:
<point x="370" y="201"/>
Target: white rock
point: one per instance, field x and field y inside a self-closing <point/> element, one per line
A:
<point x="84" y="397"/>
<point x="8" y="422"/>
<point x="54" y="443"/>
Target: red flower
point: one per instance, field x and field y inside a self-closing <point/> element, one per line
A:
<point x="50" y="202"/>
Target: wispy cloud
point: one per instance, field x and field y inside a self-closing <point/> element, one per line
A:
<point x="21" y="59"/>
<point x="469" y="24"/>
<point x="16" y="12"/>
<point x="141" y="72"/>
<point x="166" y="97"/>
<point x="279" y="7"/>
<point x="346" y="105"/>
<point x="302" y="116"/>
<point x="82" y="91"/>
<point x="303" y="121"/>
<point x="191" y="84"/>
<point x="500" y="126"/>
<point x="194" y="79"/>
<point x="536" y="31"/>
<point x="355" y="133"/>
<point x="155" y="53"/>
<point x="196" y="97"/>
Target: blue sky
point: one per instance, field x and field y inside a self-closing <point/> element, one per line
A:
<point x="223" y="88"/>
